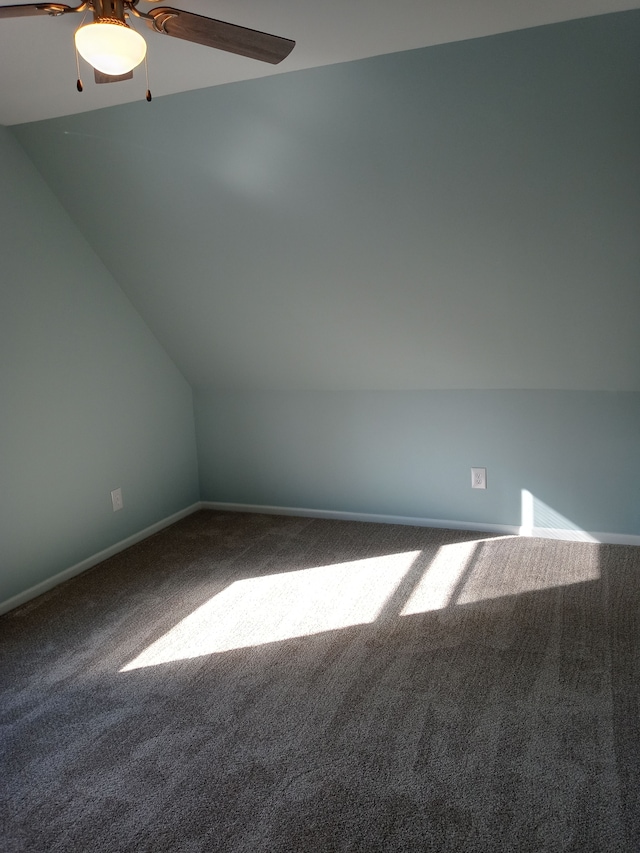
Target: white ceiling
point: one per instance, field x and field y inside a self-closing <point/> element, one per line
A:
<point x="37" y="62"/>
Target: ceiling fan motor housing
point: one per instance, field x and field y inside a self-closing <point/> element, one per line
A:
<point x="108" y="10"/>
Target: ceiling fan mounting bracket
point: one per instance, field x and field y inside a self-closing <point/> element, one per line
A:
<point x="54" y="9"/>
<point x="160" y="21"/>
<point x="57" y="9"/>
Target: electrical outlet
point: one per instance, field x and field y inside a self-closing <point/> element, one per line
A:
<point x="116" y="499"/>
<point x="478" y="478"/>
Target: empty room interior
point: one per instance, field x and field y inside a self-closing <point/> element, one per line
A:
<point x="320" y="434"/>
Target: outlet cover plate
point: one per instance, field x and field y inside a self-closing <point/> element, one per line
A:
<point x="478" y="478"/>
<point x="116" y="499"/>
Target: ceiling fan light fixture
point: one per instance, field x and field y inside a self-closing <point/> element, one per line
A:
<point x="111" y="46"/>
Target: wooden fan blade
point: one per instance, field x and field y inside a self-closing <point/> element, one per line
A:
<point x="35" y="9"/>
<point x="212" y="33"/>
<point x="99" y="77"/>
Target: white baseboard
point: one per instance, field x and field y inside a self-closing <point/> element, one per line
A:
<point x="565" y="534"/>
<point x="496" y="529"/>
<point x="49" y="583"/>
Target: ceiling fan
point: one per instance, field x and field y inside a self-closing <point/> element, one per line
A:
<point x="114" y="48"/>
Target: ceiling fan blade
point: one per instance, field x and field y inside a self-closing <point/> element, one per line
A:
<point x="99" y="77"/>
<point x="36" y="9"/>
<point x="212" y="33"/>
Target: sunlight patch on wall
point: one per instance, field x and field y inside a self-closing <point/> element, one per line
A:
<point x="539" y="519"/>
<point x="282" y="606"/>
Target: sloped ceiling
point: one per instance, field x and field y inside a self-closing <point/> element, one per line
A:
<point x="38" y="71"/>
<point x="458" y="216"/>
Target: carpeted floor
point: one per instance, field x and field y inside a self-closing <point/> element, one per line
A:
<point x="243" y="683"/>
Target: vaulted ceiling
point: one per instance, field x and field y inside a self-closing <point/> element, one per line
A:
<point x="463" y="215"/>
<point x="37" y="62"/>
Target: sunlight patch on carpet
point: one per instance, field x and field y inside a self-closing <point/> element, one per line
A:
<point x="438" y="584"/>
<point x="468" y="572"/>
<point x="282" y="606"/>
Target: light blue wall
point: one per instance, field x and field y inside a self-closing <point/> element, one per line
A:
<point x="334" y="257"/>
<point x="493" y="244"/>
<point x="410" y="453"/>
<point x="89" y="400"/>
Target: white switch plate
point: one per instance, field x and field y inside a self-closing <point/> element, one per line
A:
<point x="116" y="499"/>
<point x="478" y="478"/>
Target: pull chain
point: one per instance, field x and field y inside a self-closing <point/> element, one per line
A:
<point x="146" y="71"/>
<point x="79" y="85"/>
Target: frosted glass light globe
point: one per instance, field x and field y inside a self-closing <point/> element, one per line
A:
<point x="113" y="48"/>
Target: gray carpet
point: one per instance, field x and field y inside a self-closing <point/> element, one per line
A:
<point x="256" y="683"/>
